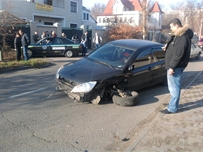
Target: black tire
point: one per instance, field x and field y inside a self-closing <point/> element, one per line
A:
<point x="69" y="53"/>
<point x="126" y="101"/>
<point x="29" y="52"/>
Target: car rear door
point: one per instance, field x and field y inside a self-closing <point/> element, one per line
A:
<point x="141" y="74"/>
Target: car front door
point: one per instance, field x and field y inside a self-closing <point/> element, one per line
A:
<point x="158" y="66"/>
<point x="57" y="47"/>
<point x="141" y="74"/>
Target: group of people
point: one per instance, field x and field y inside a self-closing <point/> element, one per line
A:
<point x="21" y="40"/>
<point x="36" y="36"/>
<point x="97" y="40"/>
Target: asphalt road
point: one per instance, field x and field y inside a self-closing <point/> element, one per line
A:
<point x="36" y="117"/>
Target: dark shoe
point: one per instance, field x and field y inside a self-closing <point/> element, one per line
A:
<point x="166" y="111"/>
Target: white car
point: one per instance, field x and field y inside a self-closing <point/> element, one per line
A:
<point x="195" y="51"/>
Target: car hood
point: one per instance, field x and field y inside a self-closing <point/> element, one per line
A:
<point x="86" y="70"/>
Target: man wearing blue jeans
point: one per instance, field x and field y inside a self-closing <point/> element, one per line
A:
<point x="176" y="59"/>
<point x="24" y="42"/>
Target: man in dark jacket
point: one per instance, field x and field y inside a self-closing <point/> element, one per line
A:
<point x="17" y="46"/>
<point x="176" y="59"/>
<point x="84" y="42"/>
<point x="36" y="37"/>
<point x="25" y="42"/>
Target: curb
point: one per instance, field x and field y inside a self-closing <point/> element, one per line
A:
<point x="24" y="68"/>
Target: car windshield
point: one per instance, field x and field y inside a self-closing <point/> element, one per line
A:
<point x="111" y="55"/>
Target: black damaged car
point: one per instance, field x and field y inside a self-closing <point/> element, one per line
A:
<point x="115" y="70"/>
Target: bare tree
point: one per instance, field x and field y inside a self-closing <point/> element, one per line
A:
<point x="8" y="23"/>
<point x="97" y="9"/>
<point x="146" y="5"/>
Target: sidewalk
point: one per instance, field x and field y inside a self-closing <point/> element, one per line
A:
<point x="180" y="132"/>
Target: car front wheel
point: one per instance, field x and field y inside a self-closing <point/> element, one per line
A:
<point x="69" y="53"/>
<point x="29" y="53"/>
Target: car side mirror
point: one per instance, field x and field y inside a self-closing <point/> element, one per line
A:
<point x="131" y="67"/>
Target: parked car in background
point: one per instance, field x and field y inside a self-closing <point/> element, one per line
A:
<point x="116" y="70"/>
<point x="54" y="46"/>
<point x="200" y="43"/>
<point x="195" y="51"/>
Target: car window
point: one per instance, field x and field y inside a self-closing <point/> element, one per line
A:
<point x="144" y="58"/>
<point x="56" y="41"/>
<point x="159" y="55"/>
<point x="66" y="41"/>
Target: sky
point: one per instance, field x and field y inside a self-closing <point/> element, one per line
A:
<point x="164" y="3"/>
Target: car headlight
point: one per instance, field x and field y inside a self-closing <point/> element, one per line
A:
<point x="57" y="73"/>
<point x="84" y="87"/>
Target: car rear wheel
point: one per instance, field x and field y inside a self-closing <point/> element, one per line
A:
<point x="69" y="53"/>
<point x="29" y="53"/>
<point x="129" y="100"/>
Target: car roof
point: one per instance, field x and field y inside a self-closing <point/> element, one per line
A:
<point x="135" y="43"/>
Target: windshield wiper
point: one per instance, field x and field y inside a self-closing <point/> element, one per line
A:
<point x="104" y="63"/>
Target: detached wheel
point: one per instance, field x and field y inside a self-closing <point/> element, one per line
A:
<point x="29" y="52"/>
<point x="69" y="53"/>
<point x="126" y="101"/>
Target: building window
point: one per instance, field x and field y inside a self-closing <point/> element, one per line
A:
<point x="87" y="16"/>
<point x="125" y="19"/>
<point x="73" y="25"/>
<point x="48" y="23"/>
<point x="73" y="7"/>
<point x="48" y="2"/>
<point x="104" y="21"/>
<point x="99" y="20"/>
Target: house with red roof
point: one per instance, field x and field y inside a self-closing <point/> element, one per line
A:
<point x="130" y="11"/>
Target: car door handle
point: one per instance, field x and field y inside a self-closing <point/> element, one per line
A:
<point x="149" y="68"/>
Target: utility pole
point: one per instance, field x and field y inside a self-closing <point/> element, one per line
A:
<point x="144" y="18"/>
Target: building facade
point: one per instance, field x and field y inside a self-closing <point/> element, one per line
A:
<point x="130" y="12"/>
<point x="49" y="15"/>
<point x="47" y="12"/>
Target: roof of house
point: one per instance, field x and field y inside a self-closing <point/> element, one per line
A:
<point x="156" y="8"/>
<point x="133" y="4"/>
<point x="137" y="5"/>
<point x="109" y="7"/>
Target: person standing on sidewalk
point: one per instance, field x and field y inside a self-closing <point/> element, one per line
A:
<point x="25" y="41"/>
<point x="176" y="59"/>
<point x="17" y="45"/>
<point x="84" y="42"/>
<point x="97" y="40"/>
